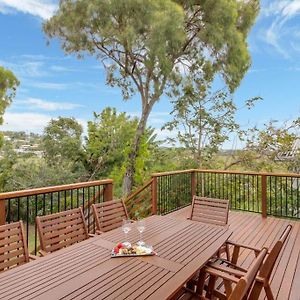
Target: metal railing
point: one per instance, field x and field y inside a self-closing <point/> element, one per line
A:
<point x="283" y="199"/>
<point x="27" y="204"/>
<point x="276" y="194"/>
<point x="265" y="193"/>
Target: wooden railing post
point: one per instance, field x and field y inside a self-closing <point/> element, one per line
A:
<point x="264" y="196"/>
<point x="2" y="212"/>
<point x="108" y="192"/>
<point x="193" y="183"/>
<point x="154" y="195"/>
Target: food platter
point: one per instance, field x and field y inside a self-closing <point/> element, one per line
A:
<point x="122" y="250"/>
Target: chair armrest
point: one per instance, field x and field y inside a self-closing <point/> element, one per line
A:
<point x="43" y="253"/>
<point x="243" y="246"/>
<point x="223" y="260"/>
<point x="33" y="257"/>
<point x="231" y="271"/>
<point x="222" y="274"/>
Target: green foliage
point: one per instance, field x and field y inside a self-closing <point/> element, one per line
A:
<point x="264" y="147"/>
<point x="142" y="36"/>
<point x="110" y="138"/>
<point x="7" y="161"/>
<point x="146" y="44"/>
<point x="32" y="172"/>
<point x="109" y="135"/>
<point x="8" y="87"/>
<point x="62" y="141"/>
<point x="202" y="120"/>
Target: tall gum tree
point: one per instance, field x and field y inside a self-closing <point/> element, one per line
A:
<point x="147" y="46"/>
<point x="8" y="88"/>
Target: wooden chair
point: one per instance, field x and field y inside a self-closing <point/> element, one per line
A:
<point x="109" y="215"/>
<point x="13" y="246"/>
<point x="243" y="281"/>
<point x="61" y="229"/>
<point x="210" y="210"/>
<point x="263" y="278"/>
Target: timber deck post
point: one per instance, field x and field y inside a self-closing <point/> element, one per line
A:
<point x="154" y="195"/>
<point x="2" y="212"/>
<point x="264" y="196"/>
<point x="193" y="183"/>
<point x="108" y="192"/>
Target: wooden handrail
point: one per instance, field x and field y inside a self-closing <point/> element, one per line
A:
<point x="51" y="189"/>
<point x="227" y="172"/>
<point x="139" y="190"/>
<point x="173" y="173"/>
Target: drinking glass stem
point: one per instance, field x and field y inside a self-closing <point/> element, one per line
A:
<point x="126" y="239"/>
<point x="140" y="236"/>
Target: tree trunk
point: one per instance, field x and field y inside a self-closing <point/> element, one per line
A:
<point x="128" y="180"/>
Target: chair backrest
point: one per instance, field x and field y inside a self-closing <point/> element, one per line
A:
<point x="245" y="283"/>
<point x="210" y="210"/>
<point x="61" y="229"/>
<point x="13" y="246"/>
<point x="109" y="214"/>
<point x="267" y="267"/>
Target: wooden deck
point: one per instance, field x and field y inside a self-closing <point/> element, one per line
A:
<point x="252" y="229"/>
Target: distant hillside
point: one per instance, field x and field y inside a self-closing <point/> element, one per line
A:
<point x="24" y="143"/>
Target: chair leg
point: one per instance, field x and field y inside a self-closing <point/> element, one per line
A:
<point x="211" y="286"/>
<point x="200" y="283"/>
<point x="227" y="250"/>
<point x="228" y="287"/>
<point x="269" y="292"/>
<point x="256" y="290"/>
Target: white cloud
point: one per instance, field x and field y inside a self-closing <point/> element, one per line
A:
<point x="272" y="7"/>
<point x="48" y="105"/>
<point x="56" y="68"/>
<point x="273" y="36"/>
<point x="291" y="9"/>
<point x="29" y="122"/>
<point x="32" y="69"/>
<point x="40" y="8"/>
<point x="281" y="34"/>
<point x="49" y="85"/>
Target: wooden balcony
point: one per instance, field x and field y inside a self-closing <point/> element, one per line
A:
<point x="255" y="200"/>
<point x="251" y="228"/>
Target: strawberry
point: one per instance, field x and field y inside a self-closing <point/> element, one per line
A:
<point x="116" y="250"/>
<point x="120" y="245"/>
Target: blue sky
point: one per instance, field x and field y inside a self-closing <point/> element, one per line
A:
<point x="53" y="84"/>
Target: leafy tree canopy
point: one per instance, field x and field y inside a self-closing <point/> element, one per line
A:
<point x="148" y="46"/>
<point x="62" y="140"/>
<point x="8" y="87"/>
<point x="110" y="137"/>
<point x="268" y="147"/>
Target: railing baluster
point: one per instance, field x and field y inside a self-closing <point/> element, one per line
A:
<point x="27" y="220"/>
<point x="35" y="228"/>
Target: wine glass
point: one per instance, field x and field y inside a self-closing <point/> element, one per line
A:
<point x="141" y="226"/>
<point x="126" y="227"/>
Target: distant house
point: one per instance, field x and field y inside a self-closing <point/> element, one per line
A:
<point x="291" y="156"/>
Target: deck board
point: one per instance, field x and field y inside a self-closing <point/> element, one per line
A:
<point x="251" y="228"/>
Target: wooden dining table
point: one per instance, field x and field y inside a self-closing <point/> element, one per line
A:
<point x="86" y="270"/>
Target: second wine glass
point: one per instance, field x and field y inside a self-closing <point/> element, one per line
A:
<point x="141" y="226"/>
